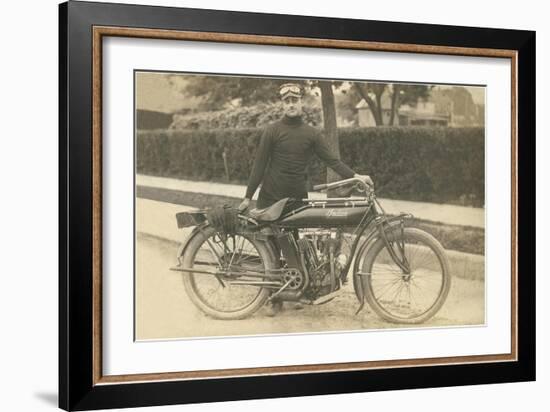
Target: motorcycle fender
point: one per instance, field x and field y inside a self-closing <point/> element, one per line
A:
<point x="391" y="224"/>
<point x="200" y="218"/>
<point x="187" y="240"/>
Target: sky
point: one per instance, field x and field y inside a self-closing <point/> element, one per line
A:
<point x="159" y="92"/>
<point x="154" y="91"/>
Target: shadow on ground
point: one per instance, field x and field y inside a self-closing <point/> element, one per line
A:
<point x="49" y="398"/>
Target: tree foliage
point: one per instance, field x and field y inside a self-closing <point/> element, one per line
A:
<point x="242" y="117"/>
<point x="218" y="92"/>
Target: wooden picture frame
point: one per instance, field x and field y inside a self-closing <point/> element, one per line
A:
<point x="82" y="384"/>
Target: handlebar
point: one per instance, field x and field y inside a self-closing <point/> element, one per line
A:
<point x="341" y="183"/>
<point x="319" y="187"/>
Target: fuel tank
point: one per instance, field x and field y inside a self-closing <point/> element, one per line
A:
<point x="328" y="216"/>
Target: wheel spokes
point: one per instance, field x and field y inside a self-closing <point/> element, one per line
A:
<point x="406" y="295"/>
<point x="233" y="254"/>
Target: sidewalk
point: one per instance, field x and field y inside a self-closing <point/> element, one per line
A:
<point x="450" y="214"/>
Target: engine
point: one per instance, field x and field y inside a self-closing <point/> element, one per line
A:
<point x="326" y="254"/>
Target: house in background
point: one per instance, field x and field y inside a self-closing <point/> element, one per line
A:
<point x="425" y="113"/>
<point x="446" y="107"/>
<point x="461" y="104"/>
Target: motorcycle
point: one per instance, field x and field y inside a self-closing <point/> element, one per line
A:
<point x="304" y="251"/>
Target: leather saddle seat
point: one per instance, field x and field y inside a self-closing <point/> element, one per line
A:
<point x="270" y="213"/>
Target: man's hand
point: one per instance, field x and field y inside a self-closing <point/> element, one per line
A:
<point x="244" y="205"/>
<point x="366" y="179"/>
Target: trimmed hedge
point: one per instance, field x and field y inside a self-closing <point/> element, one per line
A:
<point x="444" y="165"/>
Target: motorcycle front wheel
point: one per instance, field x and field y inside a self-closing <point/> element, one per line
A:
<point x="412" y="297"/>
<point x="218" y="295"/>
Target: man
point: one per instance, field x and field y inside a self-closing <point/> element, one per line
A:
<point x="286" y="148"/>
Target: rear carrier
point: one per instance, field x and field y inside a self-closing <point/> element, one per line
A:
<point x="188" y="219"/>
<point x="225" y="219"/>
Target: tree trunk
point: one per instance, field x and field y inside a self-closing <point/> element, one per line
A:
<point x="379" y="107"/>
<point x="374" y="108"/>
<point x="395" y="103"/>
<point x="378" y="90"/>
<point x="329" y="121"/>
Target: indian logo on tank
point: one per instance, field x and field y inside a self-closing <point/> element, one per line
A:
<point x="337" y="213"/>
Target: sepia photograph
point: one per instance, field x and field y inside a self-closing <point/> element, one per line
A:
<point x="284" y="205"/>
<point x="260" y="205"/>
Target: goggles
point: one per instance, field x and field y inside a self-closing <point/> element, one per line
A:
<point x="290" y="88"/>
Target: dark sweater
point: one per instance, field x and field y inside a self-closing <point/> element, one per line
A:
<point x="285" y="150"/>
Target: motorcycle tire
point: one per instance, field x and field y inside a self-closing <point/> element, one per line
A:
<point x="240" y="301"/>
<point x="389" y="291"/>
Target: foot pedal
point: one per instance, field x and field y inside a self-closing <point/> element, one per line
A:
<point x="326" y="298"/>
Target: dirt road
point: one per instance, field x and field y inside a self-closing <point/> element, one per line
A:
<point x="164" y="311"/>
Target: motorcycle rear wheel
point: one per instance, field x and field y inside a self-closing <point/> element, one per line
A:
<point x="407" y="298"/>
<point x="214" y="295"/>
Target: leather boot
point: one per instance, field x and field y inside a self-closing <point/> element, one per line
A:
<point x="274" y="308"/>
